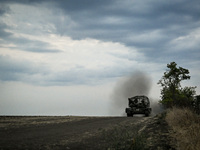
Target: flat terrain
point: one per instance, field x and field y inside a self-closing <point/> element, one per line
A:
<point x="66" y="132"/>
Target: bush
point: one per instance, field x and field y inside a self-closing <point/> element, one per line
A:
<point x="186" y="127"/>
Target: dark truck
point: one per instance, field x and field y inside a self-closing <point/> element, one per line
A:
<point x="138" y="105"/>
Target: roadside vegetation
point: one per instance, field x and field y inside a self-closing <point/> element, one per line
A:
<point x="172" y="93"/>
<point x="178" y="127"/>
<point x="185" y="125"/>
<point x="183" y="108"/>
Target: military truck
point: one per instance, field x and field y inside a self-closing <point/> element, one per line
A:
<point x="138" y="105"/>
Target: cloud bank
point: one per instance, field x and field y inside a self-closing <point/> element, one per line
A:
<point x="94" y="43"/>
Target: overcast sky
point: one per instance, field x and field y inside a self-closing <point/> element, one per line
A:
<point x="66" y="57"/>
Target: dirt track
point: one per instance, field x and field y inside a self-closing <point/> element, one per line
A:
<point x="57" y="132"/>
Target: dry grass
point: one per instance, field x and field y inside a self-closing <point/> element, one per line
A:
<point x="186" y="128"/>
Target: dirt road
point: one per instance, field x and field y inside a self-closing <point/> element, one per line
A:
<point x="58" y="132"/>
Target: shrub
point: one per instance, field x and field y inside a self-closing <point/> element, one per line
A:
<point x="186" y="127"/>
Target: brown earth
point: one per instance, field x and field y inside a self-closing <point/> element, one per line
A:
<point x="69" y="132"/>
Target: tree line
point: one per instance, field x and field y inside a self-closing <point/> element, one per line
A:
<point x="173" y="94"/>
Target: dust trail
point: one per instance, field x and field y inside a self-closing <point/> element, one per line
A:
<point x="139" y="83"/>
<point x="156" y="107"/>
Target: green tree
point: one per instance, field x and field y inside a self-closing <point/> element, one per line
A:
<point x="172" y="93"/>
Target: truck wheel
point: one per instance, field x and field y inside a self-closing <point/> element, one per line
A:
<point x="146" y="113"/>
<point x="129" y="115"/>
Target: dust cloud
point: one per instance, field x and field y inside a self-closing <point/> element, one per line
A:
<point x="156" y="107"/>
<point x="139" y="83"/>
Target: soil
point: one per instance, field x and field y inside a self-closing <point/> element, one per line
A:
<point x="157" y="132"/>
<point x="69" y="132"/>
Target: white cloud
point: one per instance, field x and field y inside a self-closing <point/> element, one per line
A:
<point x="146" y="37"/>
<point x="71" y="58"/>
<point x="88" y="54"/>
<point x="187" y="42"/>
<point x="34" y="31"/>
<point x="77" y="55"/>
<point x="62" y="52"/>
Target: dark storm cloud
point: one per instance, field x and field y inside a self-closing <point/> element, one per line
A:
<point x="4" y="9"/>
<point x="25" y="44"/>
<point x="21" y="43"/>
<point x="137" y="16"/>
<point x="20" y="70"/>
<point x="12" y="70"/>
<point x="33" y="45"/>
<point x="132" y="22"/>
<point x="133" y="15"/>
<point x="149" y="26"/>
<point x="23" y="70"/>
<point x="3" y="33"/>
<point x="85" y="5"/>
